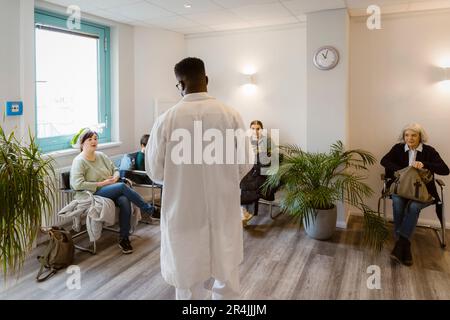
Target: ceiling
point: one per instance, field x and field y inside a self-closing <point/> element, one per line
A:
<point x="197" y="16"/>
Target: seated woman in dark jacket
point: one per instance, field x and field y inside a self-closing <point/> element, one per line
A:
<point x="251" y="184"/>
<point x="410" y="152"/>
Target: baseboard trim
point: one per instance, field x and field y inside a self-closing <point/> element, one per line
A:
<point x="427" y="222"/>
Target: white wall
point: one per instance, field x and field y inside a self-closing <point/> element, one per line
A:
<point x="122" y="87"/>
<point x="17" y="72"/>
<point x="278" y="56"/>
<point x="395" y="80"/>
<point x="10" y="60"/>
<point x="327" y="119"/>
<point x="328" y="90"/>
<point x="156" y="52"/>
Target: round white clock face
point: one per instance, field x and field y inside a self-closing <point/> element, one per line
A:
<point x="326" y="58"/>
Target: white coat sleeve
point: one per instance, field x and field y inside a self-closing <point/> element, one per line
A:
<point x="155" y="152"/>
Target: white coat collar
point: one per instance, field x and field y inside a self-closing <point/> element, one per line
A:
<point x="197" y="96"/>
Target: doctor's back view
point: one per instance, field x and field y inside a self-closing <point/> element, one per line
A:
<point x="193" y="153"/>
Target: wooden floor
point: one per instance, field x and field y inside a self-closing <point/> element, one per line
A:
<point x="280" y="262"/>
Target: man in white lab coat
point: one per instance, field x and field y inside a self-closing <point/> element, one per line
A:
<point x="200" y="169"/>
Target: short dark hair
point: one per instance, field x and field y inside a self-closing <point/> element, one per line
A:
<point x="191" y="68"/>
<point x="86" y="136"/>
<point x="144" y="139"/>
<point x="257" y="122"/>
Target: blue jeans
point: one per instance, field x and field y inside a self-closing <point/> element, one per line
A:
<point x="123" y="195"/>
<point x="406" y="214"/>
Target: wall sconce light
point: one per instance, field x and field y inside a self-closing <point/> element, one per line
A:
<point x="248" y="79"/>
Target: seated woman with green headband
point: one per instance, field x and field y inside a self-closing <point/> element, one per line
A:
<point x="93" y="171"/>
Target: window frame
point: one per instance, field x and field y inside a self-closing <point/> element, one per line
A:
<point x="58" y="21"/>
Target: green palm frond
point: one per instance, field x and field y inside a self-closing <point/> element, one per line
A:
<point x="290" y="149"/>
<point x="319" y="180"/>
<point x="26" y="194"/>
<point x="337" y="147"/>
<point x="375" y="229"/>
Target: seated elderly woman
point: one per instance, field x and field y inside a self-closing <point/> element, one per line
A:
<point x="93" y="171"/>
<point x="411" y="151"/>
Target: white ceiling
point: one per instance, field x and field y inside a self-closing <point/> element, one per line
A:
<point x="220" y="15"/>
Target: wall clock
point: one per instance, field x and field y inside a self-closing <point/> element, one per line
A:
<point x="326" y="58"/>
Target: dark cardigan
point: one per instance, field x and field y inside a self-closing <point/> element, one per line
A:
<point x="398" y="158"/>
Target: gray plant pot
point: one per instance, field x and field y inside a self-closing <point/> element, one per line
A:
<point x="323" y="227"/>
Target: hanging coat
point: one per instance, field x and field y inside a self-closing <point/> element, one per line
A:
<point x="99" y="211"/>
<point x="201" y="228"/>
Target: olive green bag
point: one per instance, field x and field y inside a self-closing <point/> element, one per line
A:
<point x="58" y="254"/>
<point x="410" y="183"/>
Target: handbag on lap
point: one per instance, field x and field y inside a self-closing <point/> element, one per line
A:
<point x="410" y="183"/>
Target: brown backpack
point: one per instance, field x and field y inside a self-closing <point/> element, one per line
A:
<point x="410" y="183"/>
<point x="58" y="254"/>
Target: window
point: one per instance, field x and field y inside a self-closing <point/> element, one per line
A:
<point x="72" y="80"/>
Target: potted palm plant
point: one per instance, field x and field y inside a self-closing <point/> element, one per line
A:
<point x="26" y="192"/>
<point x="314" y="182"/>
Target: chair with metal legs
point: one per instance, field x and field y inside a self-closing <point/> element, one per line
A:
<point x="68" y="193"/>
<point x="271" y="202"/>
<point x="141" y="180"/>
<point x="440" y="231"/>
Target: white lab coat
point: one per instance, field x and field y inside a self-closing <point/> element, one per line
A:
<point x="201" y="228"/>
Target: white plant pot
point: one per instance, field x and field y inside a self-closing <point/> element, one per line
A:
<point x="324" y="226"/>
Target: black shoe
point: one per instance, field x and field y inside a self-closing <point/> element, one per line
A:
<point x="125" y="245"/>
<point x="397" y="252"/>
<point x="407" y="256"/>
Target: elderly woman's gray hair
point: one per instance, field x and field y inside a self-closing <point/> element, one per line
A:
<point x="416" y="128"/>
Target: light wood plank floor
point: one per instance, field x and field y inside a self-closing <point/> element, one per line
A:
<point x="280" y="262"/>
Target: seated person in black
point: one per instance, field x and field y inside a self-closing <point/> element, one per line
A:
<point x="251" y="184"/>
<point x="411" y="151"/>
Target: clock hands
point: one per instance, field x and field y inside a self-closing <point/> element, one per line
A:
<point x="321" y="60"/>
